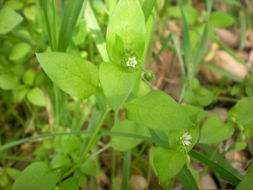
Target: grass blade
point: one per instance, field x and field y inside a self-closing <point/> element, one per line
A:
<point x="96" y="32"/>
<point x="177" y="45"/>
<point x="70" y="16"/>
<point x="186" y="178"/>
<point x="243" y="30"/>
<point x="230" y="177"/>
<point x="187" y="49"/>
<point x="221" y="160"/>
<point x="201" y="48"/>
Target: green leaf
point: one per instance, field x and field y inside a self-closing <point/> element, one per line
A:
<point x="14" y="4"/>
<point x="36" y="97"/>
<point x="30" y="13"/>
<point x="13" y="173"/>
<point x="159" y="111"/>
<point x="89" y="168"/>
<point x="221" y="20"/>
<point x="123" y="143"/>
<point x="73" y="75"/>
<point x="196" y="114"/>
<point x="36" y="176"/>
<point x="69" y="184"/>
<point x="242" y="113"/>
<point x="117" y="83"/>
<point x="19" y="51"/>
<point x="191" y="14"/>
<point x="9" y="20"/>
<point x="143" y="89"/>
<point x="127" y="22"/>
<point x="28" y="77"/>
<point x="166" y="162"/>
<point x="247" y="182"/>
<point x="8" y="82"/>
<point x="214" y="131"/>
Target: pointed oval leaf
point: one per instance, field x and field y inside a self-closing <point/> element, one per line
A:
<point x="159" y="111"/>
<point x="8" y="81"/>
<point x="242" y="113"/>
<point x="69" y="184"/>
<point x="117" y="83"/>
<point x="9" y="20"/>
<point x="127" y="23"/>
<point x="167" y="162"/>
<point x="73" y="75"/>
<point x="36" y="97"/>
<point x="214" y="131"/>
<point x="36" y="176"/>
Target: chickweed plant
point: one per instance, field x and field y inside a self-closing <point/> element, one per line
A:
<point x="124" y="112"/>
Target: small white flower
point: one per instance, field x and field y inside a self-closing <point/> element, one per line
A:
<point x="132" y="62"/>
<point x="186" y="139"/>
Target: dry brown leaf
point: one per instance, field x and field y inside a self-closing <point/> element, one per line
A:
<point x="228" y="37"/>
<point x="226" y="62"/>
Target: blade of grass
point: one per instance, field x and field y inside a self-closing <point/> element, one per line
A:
<point x="149" y="30"/>
<point x="96" y="32"/>
<point x="201" y="48"/>
<point x="103" y="132"/>
<point x="220" y="160"/>
<point x="49" y="17"/>
<point x="209" y="8"/>
<point x="187" y="179"/>
<point x="230" y="177"/>
<point x="243" y="32"/>
<point x="187" y="48"/>
<point x="70" y="16"/>
<point x="126" y="170"/>
<point x="177" y="46"/>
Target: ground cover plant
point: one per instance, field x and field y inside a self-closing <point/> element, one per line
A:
<point x="126" y="94"/>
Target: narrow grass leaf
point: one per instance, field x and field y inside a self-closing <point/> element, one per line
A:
<point x="230" y="177"/>
<point x="96" y="32"/>
<point x="186" y="178"/>
<point x="187" y="49"/>
<point x="70" y="17"/>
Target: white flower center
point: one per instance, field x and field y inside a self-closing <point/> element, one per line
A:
<point x="132" y="62"/>
<point x="186" y="139"/>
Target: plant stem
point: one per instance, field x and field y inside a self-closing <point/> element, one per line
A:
<point x="94" y="135"/>
<point x="126" y="170"/>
